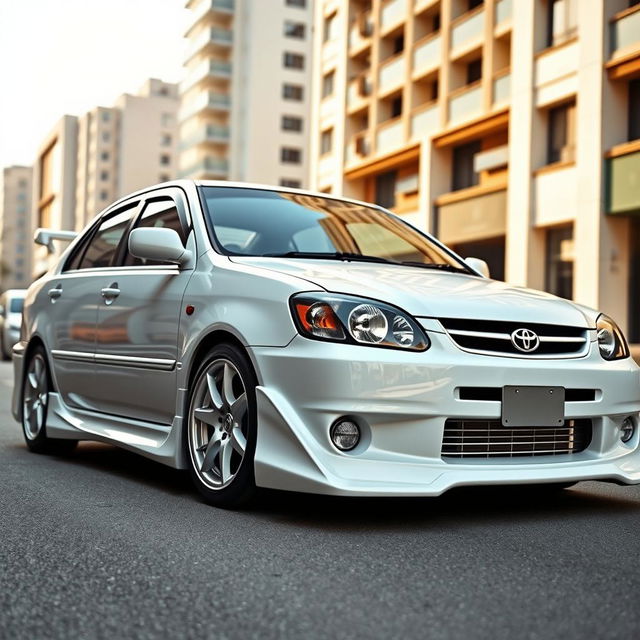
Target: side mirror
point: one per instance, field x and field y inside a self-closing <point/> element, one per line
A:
<point x="157" y="243"/>
<point x="478" y="265"/>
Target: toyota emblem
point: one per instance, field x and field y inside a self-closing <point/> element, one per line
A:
<point x="525" y="340"/>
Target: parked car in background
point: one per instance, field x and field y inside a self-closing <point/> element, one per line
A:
<point x="271" y="337"/>
<point x="11" y="302"/>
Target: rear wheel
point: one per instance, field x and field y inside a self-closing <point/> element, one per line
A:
<point x="35" y="403"/>
<point x="221" y="428"/>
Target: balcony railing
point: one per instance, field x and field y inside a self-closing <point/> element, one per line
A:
<point x="207" y="100"/>
<point x="211" y="133"/>
<point x="207" y="168"/>
<point x="503" y="12"/>
<point x="391" y="74"/>
<point x="209" y="69"/>
<point x="625" y="33"/>
<point x="390" y="136"/>
<point x="358" y="90"/>
<point x="466" y="33"/>
<point x="426" y="55"/>
<point x="214" y="35"/>
<point x="210" y="6"/>
<point x="425" y="121"/>
<point x="358" y="149"/>
<point x="502" y="89"/>
<point x="466" y="105"/>
<point x="361" y="31"/>
<point x="392" y="12"/>
<point x="623" y="178"/>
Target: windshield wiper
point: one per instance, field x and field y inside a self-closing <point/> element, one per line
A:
<point x="336" y="255"/>
<point x="435" y="265"/>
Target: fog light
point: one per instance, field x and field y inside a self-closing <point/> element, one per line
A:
<point x="345" y="434"/>
<point x="627" y="429"/>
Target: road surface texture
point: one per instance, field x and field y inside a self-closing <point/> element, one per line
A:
<point x="106" y="544"/>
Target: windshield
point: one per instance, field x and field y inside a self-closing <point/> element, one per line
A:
<point x="15" y="306"/>
<point x="256" y="222"/>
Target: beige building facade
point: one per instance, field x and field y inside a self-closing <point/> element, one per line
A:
<point x="509" y="128"/>
<point x="15" y="228"/>
<point x="246" y="91"/>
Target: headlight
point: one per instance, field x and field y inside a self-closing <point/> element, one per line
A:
<point x="339" y="318"/>
<point x="611" y="342"/>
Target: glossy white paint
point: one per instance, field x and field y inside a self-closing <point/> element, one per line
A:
<point x="401" y="399"/>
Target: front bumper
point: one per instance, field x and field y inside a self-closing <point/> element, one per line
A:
<point x="402" y="401"/>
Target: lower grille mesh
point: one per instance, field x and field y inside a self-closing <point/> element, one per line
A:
<point x="489" y="439"/>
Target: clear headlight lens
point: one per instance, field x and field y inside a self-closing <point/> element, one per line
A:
<point x="341" y="318"/>
<point x="611" y="342"/>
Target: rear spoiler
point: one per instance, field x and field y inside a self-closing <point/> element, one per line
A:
<point x="46" y="237"/>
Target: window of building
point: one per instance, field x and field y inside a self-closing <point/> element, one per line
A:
<point x="396" y="107"/>
<point x="164" y="177"/>
<point x="634" y="109"/>
<point x="474" y="71"/>
<point x="165" y="159"/>
<point x="106" y="136"/>
<point x="328" y="82"/>
<point x="301" y="4"/>
<point x="563" y="21"/>
<point x="104" y="155"/>
<point x="290" y="183"/>
<point x="22" y="183"/>
<point x="326" y="141"/>
<point x="104" y="175"/>
<point x="166" y="119"/>
<point x="290" y="155"/>
<point x="293" y="60"/>
<point x="464" y="174"/>
<point x="292" y="123"/>
<point x="398" y="44"/>
<point x="20" y="275"/>
<point x="559" y="261"/>
<point x="435" y="22"/>
<point x="294" y="29"/>
<point x="21" y="197"/>
<point x="472" y="4"/>
<point x="385" y="189"/>
<point x="19" y="262"/>
<point x="105" y="115"/>
<point x="292" y="92"/>
<point x="329" y="28"/>
<point x="19" y="248"/>
<point x="561" y="133"/>
<point x="104" y="196"/>
<point x="166" y="140"/>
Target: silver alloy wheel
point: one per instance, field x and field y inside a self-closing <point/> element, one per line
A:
<point x="35" y="397"/>
<point x="218" y="424"/>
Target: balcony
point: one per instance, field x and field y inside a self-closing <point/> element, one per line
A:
<point x="210" y="9"/>
<point x="207" y="168"/>
<point x="206" y="101"/>
<point x="426" y="55"/>
<point x="502" y="14"/>
<point x="466" y="217"/>
<point x="465" y="104"/>
<point x="393" y="13"/>
<point x="625" y="32"/>
<point x="425" y="121"/>
<point x="360" y="32"/>
<point x="502" y="89"/>
<point x="623" y="180"/>
<point x="390" y="136"/>
<point x="555" y="194"/>
<point x="358" y="149"/>
<point x="467" y="32"/>
<point x="358" y="92"/>
<point x="207" y="71"/>
<point x="209" y="38"/>
<point x="391" y="74"/>
<point x="210" y="134"/>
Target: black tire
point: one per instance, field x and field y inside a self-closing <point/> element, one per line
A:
<point x="35" y="435"/>
<point x="241" y="488"/>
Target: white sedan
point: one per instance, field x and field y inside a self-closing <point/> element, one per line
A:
<point x="266" y="337"/>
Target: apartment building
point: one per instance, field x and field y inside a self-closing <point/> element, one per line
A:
<point x="510" y="129"/>
<point x="15" y="228"/>
<point x="246" y="91"/>
<point x="126" y="147"/>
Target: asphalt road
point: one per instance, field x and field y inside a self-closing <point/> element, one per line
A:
<point x="105" y="544"/>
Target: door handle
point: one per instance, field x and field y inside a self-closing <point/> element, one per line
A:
<point x="110" y="293"/>
<point x="55" y="293"/>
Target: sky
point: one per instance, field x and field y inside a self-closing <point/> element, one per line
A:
<point x="67" y="56"/>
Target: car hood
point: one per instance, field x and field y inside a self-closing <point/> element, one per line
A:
<point x="427" y="293"/>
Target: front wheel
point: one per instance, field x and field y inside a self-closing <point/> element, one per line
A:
<point x="35" y="403"/>
<point x="221" y="428"/>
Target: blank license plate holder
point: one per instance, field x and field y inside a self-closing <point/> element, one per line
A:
<point x="532" y="406"/>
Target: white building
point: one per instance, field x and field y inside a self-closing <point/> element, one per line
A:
<point x="246" y="91"/>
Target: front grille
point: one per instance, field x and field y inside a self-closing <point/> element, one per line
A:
<point x="489" y="439"/>
<point x="494" y="337"/>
